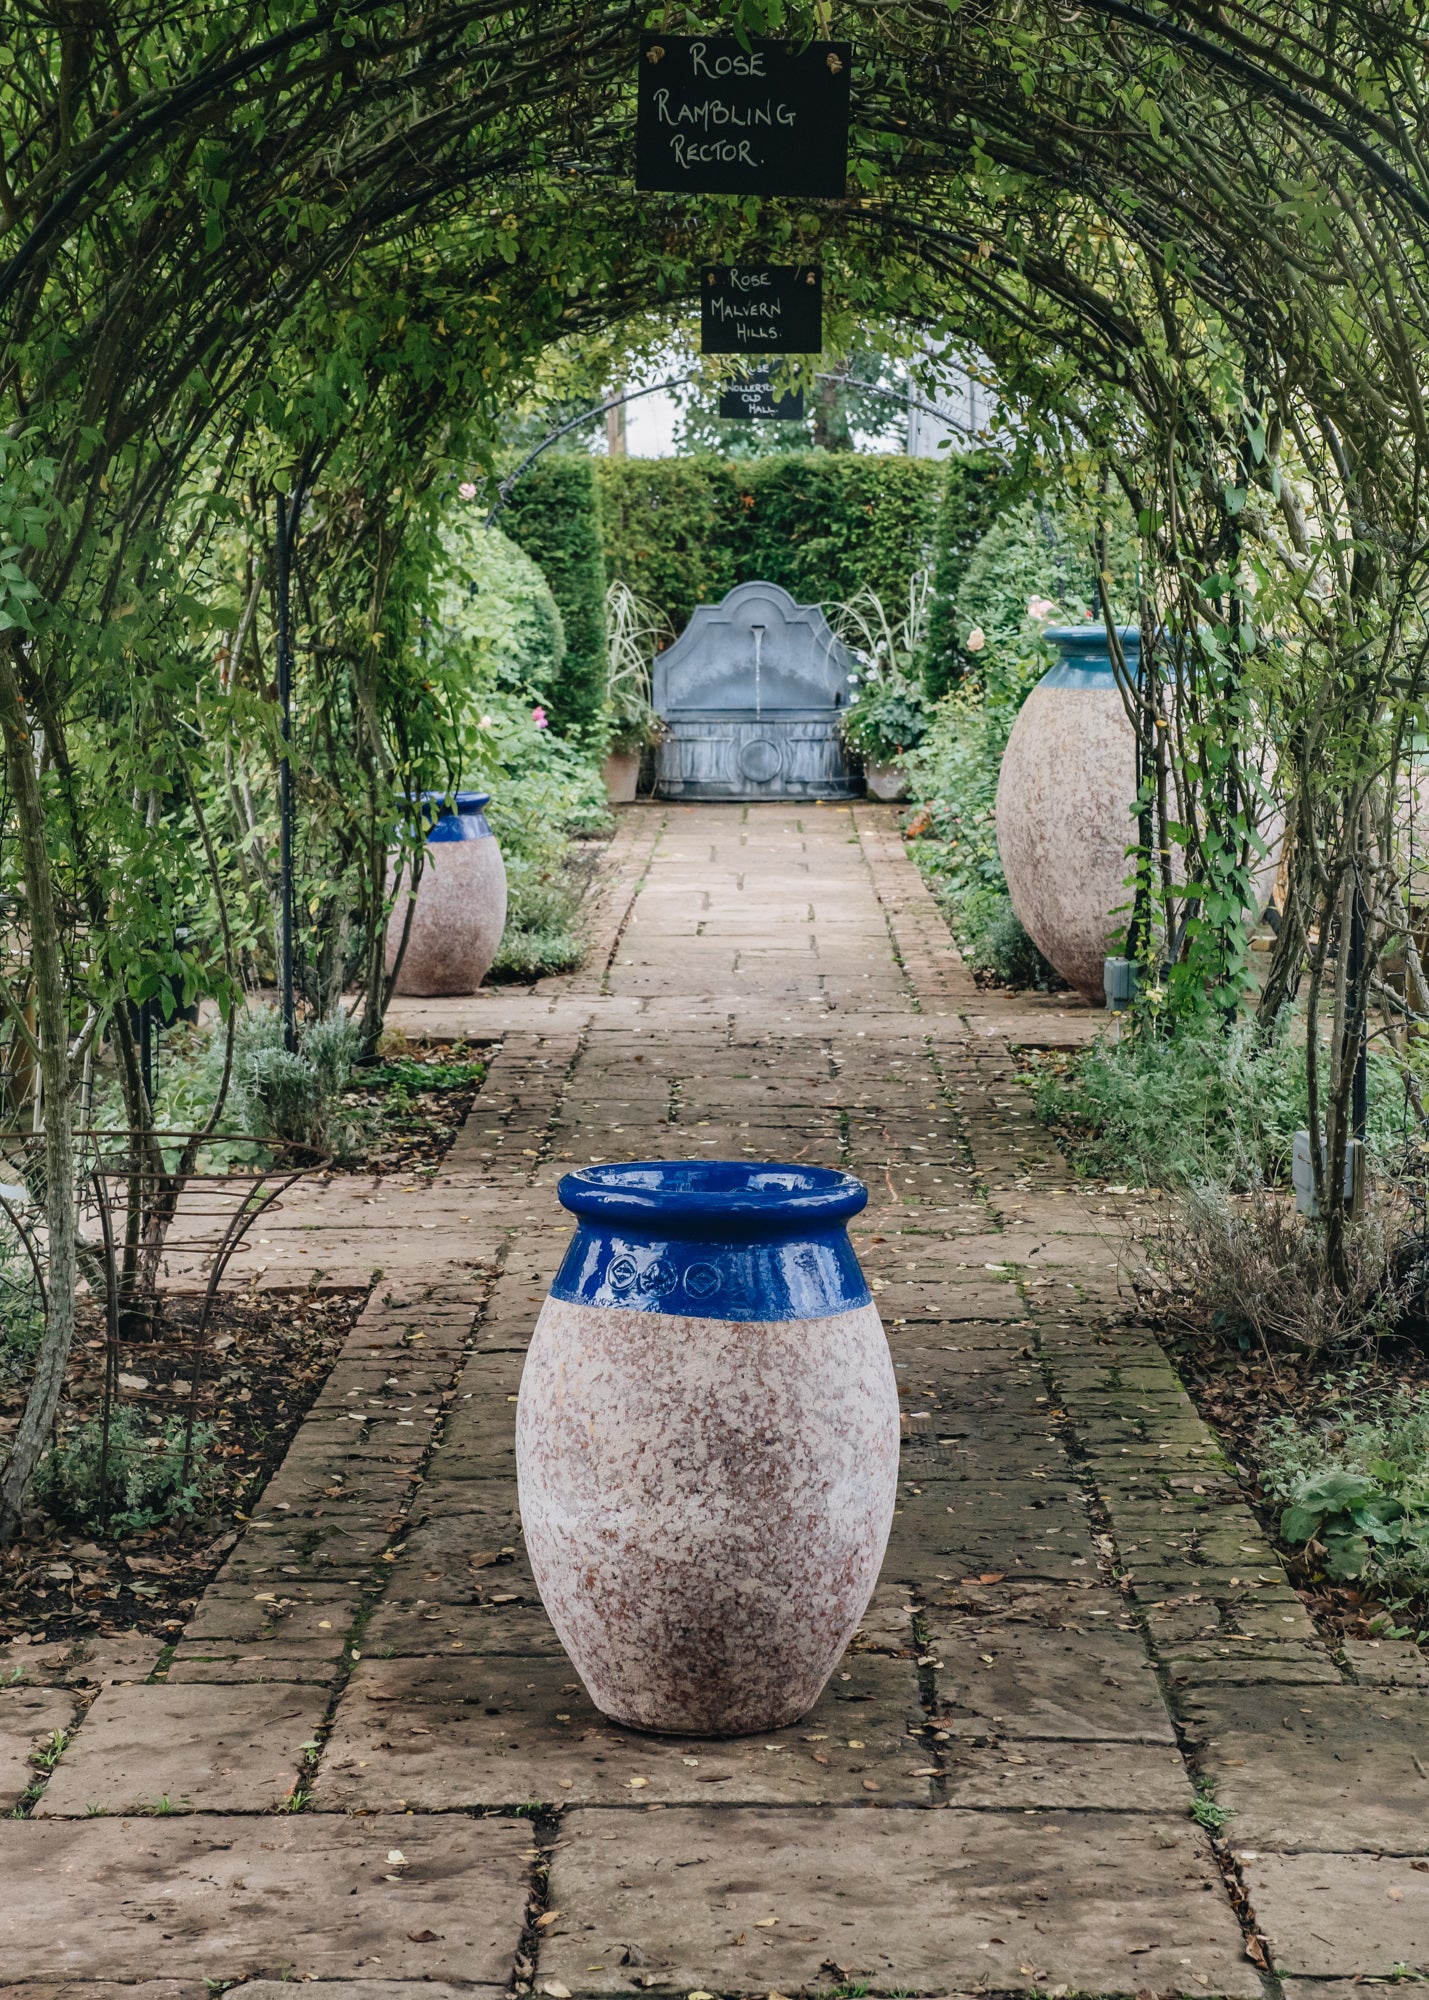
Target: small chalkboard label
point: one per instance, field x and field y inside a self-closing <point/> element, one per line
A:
<point x="761" y="309"/>
<point x="713" y="117"/>
<point x="752" y="395"/>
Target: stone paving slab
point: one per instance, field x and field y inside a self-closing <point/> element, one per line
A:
<point x="1318" y="1767"/>
<point x="234" y="1749"/>
<point x="28" y="1717"/>
<point x="440" y="1733"/>
<point x="225" y="1898"/>
<point x="1341" y="1916"/>
<point x="1017" y="1774"/>
<point x="105" y="1989"/>
<point x="971" y="1528"/>
<point x="922" y="1904"/>
<point x="348" y="1989"/>
<point x="1086" y="1687"/>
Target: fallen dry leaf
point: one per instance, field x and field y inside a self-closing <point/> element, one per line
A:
<point x="425" y="1937"/>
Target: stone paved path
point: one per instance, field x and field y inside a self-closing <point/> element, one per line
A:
<point x="366" y="1762"/>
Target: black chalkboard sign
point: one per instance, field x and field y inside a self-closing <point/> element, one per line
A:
<point x="761" y="309"/>
<point x="715" y="118"/>
<point x="751" y="395"/>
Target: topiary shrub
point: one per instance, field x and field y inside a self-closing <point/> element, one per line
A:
<point x="554" y="515"/>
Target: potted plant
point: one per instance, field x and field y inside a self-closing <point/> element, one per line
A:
<point x="634" y="632"/>
<point x="888" y="715"/>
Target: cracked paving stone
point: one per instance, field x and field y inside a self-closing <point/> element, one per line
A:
<point x="209" y="1749"/>
<point x="494" y="1732"/>
<point x="922" y="1903"/>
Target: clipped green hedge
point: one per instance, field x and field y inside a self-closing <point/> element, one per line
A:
<point x="973" y="490"/>
<point x="683" y="531"/>
<point x="554" y="515"/>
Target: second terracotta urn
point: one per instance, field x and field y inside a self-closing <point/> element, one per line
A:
<point x="1064" y="806"/>
<point x="460" y="909"/>
<point x="707" y="1441"/>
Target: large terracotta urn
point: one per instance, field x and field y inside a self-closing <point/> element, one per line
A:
<point x="460" y="903"/>
<point x="707" y="1441"/>
<point x="1065" y="798"/>
<point x="1064" y="806"/>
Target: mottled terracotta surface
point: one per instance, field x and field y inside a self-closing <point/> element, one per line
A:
<point x="461" y="913"/>
<point x="622" y="776"/>
<point x="1064" y="798"/>
<point x="1063" y="825"/>
<point x="706" y="1505"/>
<point x="888" y="782"/>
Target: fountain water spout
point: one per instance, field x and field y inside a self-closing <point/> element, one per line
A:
<point x="758" y="631"/>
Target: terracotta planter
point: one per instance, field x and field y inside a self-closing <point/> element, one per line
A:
<point x="461" y="903"/>
<point x="1064" y="810"/>
<point x="622" y="777"/>
<point x="1064" y="798"/>
<point x="707" y="1441"/>
<point x="888" y="782"/>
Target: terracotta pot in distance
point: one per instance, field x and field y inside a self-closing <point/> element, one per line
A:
<point x="461" y="903"/>
<point x="888" y="782"/>
<point x="1064" y="798"/>
<point x="622" y="777"/>
<point x="707" y="1441"/>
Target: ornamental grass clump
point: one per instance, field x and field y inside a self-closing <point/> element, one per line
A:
<point x="1254" y="1271"/>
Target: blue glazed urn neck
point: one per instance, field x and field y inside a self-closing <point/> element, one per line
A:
<point x="1084" y="659"/>
<point x="713" y="1239"/>
<point x="455" y="815"/>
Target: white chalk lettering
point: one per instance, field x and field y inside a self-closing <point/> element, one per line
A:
<point x="703" y="64"/>
<point x="716" y="152"/>
<point x="712" y="112"/>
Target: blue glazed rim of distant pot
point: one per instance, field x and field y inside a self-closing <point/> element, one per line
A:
<point x="455" y="815"/>
<point x="713" y="1239"/>
<point x="1084" y="660"/>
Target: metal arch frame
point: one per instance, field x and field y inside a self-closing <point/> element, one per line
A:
<point x="508" y="485"/>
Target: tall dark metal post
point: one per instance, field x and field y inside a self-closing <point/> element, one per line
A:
<point x="1359" y="1094"/>
<point x="283" y="549"/>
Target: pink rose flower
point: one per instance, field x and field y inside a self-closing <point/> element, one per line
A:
<point x="467" y="490"/>
<point x="538" y="716"/>
<point x="977" y="639"/>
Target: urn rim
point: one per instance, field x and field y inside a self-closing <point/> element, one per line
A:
<point x="724" y="1198"/>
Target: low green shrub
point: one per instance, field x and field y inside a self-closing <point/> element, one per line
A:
<point x="1197" y="1106"/>
<point x="286" y="1094"/>
<point x="1356" y="1487"/>
<point x="542" y="935"/>
<point x="952" y="836"/>
<point x="147" y="1481"/>
<point x="22" y="1312"/>
<point x="991" y="938"/>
